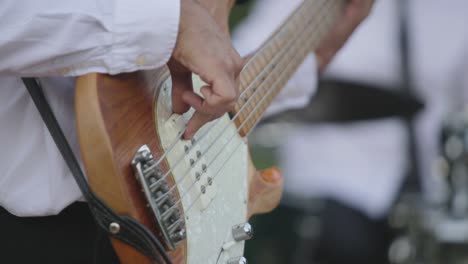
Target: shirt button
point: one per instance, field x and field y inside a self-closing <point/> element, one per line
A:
<point x="141" y="60"/>
<point x="64" y="71"/>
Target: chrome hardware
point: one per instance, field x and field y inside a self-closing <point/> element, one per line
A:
<point x="237" y="260"/>
<point x="114" y="228"/>
<point x="160" y="199"/>
<point x="242" y="232"/>
<point x="179" y="235"/>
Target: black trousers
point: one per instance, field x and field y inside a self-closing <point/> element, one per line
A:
<point x="70" y="237"/>
<point x="349" y="236"/>
<point x="338" y="234"/>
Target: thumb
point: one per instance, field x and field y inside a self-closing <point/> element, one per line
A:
<point x="181" y="82"/>
<point x="265" y="189"/>
<point x="271" y="175"/>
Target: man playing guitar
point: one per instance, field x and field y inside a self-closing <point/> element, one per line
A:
<point x="56" y="40"/>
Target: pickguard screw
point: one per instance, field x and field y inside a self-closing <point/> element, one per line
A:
<point x="114" y="228"/>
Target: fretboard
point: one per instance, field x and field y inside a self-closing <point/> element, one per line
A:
<point x="279" y="57"/>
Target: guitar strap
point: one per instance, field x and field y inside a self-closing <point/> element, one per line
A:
<point x="123" y="228"/>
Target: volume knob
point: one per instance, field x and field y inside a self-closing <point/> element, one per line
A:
<point x="242" y="232"/>
<point x="237" y="260"/>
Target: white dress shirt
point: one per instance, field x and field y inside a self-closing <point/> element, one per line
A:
<point x="54" y="38"/>
<point x="362" y="164"/>
<point x="372" y="160"/>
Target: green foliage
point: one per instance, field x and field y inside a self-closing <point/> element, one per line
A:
<point x="239" y="12"/>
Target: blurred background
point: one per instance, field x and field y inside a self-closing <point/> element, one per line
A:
<point x="375" y="166"/>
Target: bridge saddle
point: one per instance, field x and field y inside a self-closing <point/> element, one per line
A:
<point x="160" y="197"/>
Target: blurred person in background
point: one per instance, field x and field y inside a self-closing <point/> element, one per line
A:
<point x="358" y="168"/>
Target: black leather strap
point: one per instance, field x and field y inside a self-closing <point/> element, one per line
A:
<point x="131" y="231"/>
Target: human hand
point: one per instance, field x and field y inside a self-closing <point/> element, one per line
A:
<point x="204" y="49"/>
<point x="355" y="12"/>
<point x="219" y="10"/>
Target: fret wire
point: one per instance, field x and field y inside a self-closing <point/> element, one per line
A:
<point x="249" y="78"/>
<point x="167" y="173"/>
<point x="205" y="153"/>
<point x="284" y="78"/>
<point x="268" y="101"/>
<point x="219" y="170"/>
<point x="270" y="97"/>
<point x="262" y="53"/>
<point x="248" y="108"/>
<point x="318" y="19"/>
<point x="173" y="144"/>
<point x="210" y="146"/>
<point x="300" y="15"/>
<point x="277" y="84"/>
<point x="265" y="52"/>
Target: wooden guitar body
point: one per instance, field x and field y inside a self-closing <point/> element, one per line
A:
<point x="116" y="115"/>
<point x="194" y="195"/>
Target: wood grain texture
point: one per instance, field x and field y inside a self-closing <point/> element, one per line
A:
<point x="114" y="118"/>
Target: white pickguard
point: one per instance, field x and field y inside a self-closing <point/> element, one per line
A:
<point x="210" y="218"/>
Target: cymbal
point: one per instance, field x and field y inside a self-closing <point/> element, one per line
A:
<point x="345" y="101"/>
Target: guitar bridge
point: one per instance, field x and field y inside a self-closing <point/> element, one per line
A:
<point x="160" y="198"/>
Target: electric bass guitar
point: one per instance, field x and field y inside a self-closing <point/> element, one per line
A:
<point x="194" y="195"/>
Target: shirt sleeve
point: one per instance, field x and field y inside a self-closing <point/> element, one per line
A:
<point x="70" y="38"/>
<point x="263" y="20"/>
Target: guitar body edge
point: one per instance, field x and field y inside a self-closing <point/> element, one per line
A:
<point x="106" y="108"/>
<point x="116" y="115"/>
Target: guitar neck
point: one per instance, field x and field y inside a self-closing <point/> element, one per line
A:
<point x="275" y="62"/>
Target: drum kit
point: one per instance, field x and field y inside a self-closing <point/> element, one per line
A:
<point x="436" y="231"/>
<point x="427" y="231"/>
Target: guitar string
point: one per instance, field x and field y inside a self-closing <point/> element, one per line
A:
<point x="179" y="138"/>
<point x="199" y="158"/>
<point x="240" y="127"/>
<point x="264" y="73"/>
<point x="220" y="134"/>
<point x="235" y="149"/>
<point x="186" y="173"/>
<point x="180" y="135"/>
